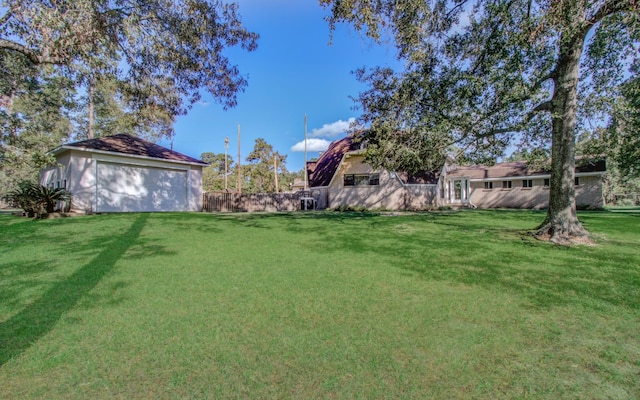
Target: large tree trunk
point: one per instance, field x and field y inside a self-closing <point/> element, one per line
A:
<point x="561" y="224"/>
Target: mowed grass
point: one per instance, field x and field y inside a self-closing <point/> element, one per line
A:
<point x="318" y="305"/>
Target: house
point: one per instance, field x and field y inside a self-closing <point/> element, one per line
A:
<point x="123" y="173"/>
<point x="341" y="178"/>
<point x="515" y="185"/>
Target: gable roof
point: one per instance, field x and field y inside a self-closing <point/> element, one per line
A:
<point x="131" y="146"/>
<point x="321" y="171"/>
<point x="519" y="169"/>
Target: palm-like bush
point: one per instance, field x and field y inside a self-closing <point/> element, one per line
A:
<point x="36" y="199"/>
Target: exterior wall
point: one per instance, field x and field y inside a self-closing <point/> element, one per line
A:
<point x="194" y="191"/>
<point x="82" y="178"/>
<point x="75" y="174"/>
<point x="321" y="195"/>
<point x="79" y="168"/>
<point x="536" y="197"/>
<point x="390" y="194"/>
<point x="588" y="193"/>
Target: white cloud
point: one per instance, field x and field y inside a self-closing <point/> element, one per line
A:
<point x="333" y="129"/>
<point x="312" y="145"/>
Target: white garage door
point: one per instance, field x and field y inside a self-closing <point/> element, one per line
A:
<point x="126" y="188"/>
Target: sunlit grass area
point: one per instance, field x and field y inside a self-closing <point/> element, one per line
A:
<point x="318" y="305"/>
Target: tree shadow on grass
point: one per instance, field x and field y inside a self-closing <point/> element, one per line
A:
<point x="498" y="254"/>
<point x="22" y="330"/>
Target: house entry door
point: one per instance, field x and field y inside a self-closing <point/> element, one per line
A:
<point x="459" y="191"/>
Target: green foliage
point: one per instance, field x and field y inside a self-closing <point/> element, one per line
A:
<point x="34" y="118"/>
<point x="263" y="163"/>
<point x="624" y="139"/>
<point x="24" y="197"/>
<point x="347" y="208"/>
<point x="37" y="200"/>
<point x="171" y="49"/>
<point x="213" y="175"/>
<point x="476" y="83"/>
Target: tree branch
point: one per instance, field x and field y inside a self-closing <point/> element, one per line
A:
<point x="544" y="106"/>
<point x="34" y="56"/>
<point x="455" y="8"/>
<point x="5" y="17"/>
<point x="610" y="7"/>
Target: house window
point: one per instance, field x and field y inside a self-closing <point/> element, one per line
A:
<point x="58" y="185"/>
<point x="576" y="181"/>
<point x="361" y="179"/>
<point x="349" y="180"/>
<point x="547" y="182"/>
<point x="506" y="184"/>
<point x="64" y="184"/>
<point x="527" y="183"/>
<point x="488" y="185"/>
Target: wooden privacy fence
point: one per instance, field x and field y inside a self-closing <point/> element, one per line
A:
<point x="251" y="202"/>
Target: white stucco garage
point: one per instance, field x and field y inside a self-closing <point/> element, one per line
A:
<point x="122" y="173"/>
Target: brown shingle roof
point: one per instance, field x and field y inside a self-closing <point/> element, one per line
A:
<point x="134" y="146"/>
<point x="321" y="172"/>
<point x="518" y="169"/>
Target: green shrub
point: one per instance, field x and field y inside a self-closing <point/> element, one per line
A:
<point x="37" y="200"/>
<point x="348" y="208"/>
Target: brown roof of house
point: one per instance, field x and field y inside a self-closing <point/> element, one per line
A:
<point x="519" y="169"/>
<point x="134" y="146"/>
<point x="321" y="172"/>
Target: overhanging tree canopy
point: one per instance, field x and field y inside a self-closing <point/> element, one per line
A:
<point x="478" y="74"/>
<point x="163" y="51"/>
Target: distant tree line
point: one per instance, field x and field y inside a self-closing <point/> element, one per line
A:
<point x="258" y="171"/>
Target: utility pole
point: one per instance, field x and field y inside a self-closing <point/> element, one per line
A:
<point x="275" y="171"/>
<point x="306" y="179"/>
<point x="239" y="164"/>
<point x="226" y="146"/>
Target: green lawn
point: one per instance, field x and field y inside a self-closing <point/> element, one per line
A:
<point x="318" y="305"/>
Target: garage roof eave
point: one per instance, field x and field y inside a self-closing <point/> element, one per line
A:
<point x="63" y="148"/>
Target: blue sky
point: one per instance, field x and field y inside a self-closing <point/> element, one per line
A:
<point x="293" y="72"/>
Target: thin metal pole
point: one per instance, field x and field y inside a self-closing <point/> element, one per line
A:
<point x="226" y="146"/>
<point x="275" y="171"/>
<point x="239" y="164"/>
<point x="306" y="179"/>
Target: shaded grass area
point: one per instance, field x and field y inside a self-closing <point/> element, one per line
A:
<point x="318" y="305"/>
